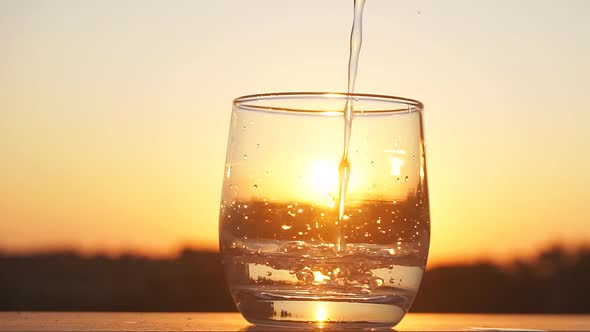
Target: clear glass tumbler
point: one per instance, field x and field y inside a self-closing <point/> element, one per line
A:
<point x="279" y="210"/>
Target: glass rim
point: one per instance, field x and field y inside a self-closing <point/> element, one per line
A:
<point x="243" y="102"/>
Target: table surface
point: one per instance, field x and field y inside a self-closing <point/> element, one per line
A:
<point x="106" y="321"/>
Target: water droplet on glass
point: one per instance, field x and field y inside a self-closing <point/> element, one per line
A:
<point x="379" y="220"/>
<point x="246" y="157"/>
<point x="406" y="178"/>
<point x="268" y="273"/>
<point x="372" y="163"/>
<point x="257" y="146"/>
<point x="392" y="280"/>
<point x="244" y="128"/>
<point x="286" y="227"/>
<point x="255" y="187"/>
<point x="397" y="180"/>
<point x="300" y="211"/>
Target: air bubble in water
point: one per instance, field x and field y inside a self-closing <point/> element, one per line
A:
<point x="332" y="201"/>
<point x="376" y="282"/>
<point x="293" y="247"/>
<point x="341" y="272"/>
<point x="365" y="289"/>
<point x="305" y="275"/>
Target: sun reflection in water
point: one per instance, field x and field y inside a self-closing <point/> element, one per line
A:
<point x="321" y="314"/>
<point x="319" y="276"/>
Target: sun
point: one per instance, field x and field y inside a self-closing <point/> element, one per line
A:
<point x="323" y="177"/>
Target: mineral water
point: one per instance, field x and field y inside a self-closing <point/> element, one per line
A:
<point x="341" y="244"/>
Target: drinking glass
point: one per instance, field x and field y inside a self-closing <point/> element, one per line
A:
<point x="279" y="220"/>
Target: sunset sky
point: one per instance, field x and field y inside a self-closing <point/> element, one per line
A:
<point x="114" y="115"/>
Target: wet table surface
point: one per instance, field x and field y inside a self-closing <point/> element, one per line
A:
<point x="106" y="321"/>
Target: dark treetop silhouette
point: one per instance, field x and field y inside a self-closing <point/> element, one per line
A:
<point x="553" y="282"/>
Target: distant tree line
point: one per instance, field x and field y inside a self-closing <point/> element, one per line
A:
<point x="553" y="282"/>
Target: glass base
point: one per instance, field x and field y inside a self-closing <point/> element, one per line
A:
<point x="305" y="312"/>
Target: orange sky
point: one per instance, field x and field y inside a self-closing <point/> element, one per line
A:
<point x="114" y="116"/>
